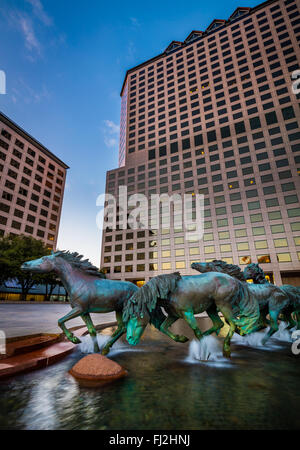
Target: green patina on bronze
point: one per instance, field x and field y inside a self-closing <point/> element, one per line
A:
<point x="291" y="312"/>
<point x="183" y="297"/>
<point x="89" y="292"/>
<point x="272" y="300"/>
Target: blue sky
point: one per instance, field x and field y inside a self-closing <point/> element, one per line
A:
<point x="65" y="62"/>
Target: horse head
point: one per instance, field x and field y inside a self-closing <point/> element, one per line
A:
<point x="251" y="271"/>
<point x="203" y="267"/>
<point x="136" y="327"/>
<point x="254" y="272"/>
<point x="44" y="264"/>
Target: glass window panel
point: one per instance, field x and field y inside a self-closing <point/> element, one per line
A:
<point x="209" y="249"/>
<point x="295" y="226"/>
<point x="280" y="242"/>
<point x="277" y="228"/>
<point x="258" y="231"/>
<point x="238" y="220"/>
<point x="224" y="235"/>
<point x="180" y="264"/>
<point x="273" y="215"/>
<point x="284" y="257"/>
<point x="297" y="240"/>
<point x="225" y="247"/>
<point x="240" y="233"/>
<point x="244" y="260"/>
<point x="242" y="246"/>
<point x="208" y="237"/>
<point x="263" y="259"/>
<point x="261" y="244"/>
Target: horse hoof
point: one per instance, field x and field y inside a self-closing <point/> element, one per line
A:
<point x="105" y="351"/>
<point x="75" y="340"/>
<point x="181" y="339"/>
<point x="227" y="353"/>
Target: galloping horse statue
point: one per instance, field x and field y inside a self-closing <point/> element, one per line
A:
<point x="254" y="272"/>
<point x="184" y="296"/>
<point x="89" y="292"/>
<point x="271" y="299"/>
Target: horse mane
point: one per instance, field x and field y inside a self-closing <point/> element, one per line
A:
<point x="217" y="265"/>
<point x="75" y="259"/>
<point x="145" y="299"/>
<point x="260" y="277"/>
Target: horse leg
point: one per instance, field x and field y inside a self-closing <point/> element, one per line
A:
<point x="164" y="328"/>
<point x="189" y="317"/>
<point x="226" y="346"/>
<point x="296" y="318"/>
<point x="116" y="335"/>
<point x="287" y="317"/>
<point x="217" y="322"/>
<point x="92" y="331"/>
<point x="273" y="325"/>
<point x="75" y="312"/>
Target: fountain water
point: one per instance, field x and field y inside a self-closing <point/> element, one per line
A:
<point x="87" y="345"/>
<point x="255" y="339"/>
<point x="209" y="348"/>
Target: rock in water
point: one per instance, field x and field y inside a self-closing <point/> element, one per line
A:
<point x="96" y="369"/>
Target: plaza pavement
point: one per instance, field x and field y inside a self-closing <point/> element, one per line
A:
<point x="25" y="319"/>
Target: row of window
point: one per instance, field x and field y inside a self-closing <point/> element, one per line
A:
<point x="30" y="151"/>
<point x="221" y="235"/>
<point x="243" y="260"/>
<point x="223" y="37"/>
<point x="27" y="228"/>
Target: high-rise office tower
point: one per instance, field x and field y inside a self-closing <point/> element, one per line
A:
<point x="32" y="181"/>
<point x="217" y="114"/>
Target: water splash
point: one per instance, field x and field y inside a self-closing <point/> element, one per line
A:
<point x="209" y="348"/>
<point x="283" y="334"/>
<point x="255" y="339"/>
<point x="87" y="345"/>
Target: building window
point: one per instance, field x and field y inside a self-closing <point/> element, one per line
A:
<point x="284" y="257"/>
<point x="280" y="242"/>
<point x="244" y="260"/>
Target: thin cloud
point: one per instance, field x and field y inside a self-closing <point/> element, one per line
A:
<point x="31" y="41"/>
<point x="24" y="93"/>
<point x="134" y="22"/>
<point x="111" y="133"/>
<point x="112" y="127"/>
<point x="40" y="13"/>
<point x="131" y="50"/>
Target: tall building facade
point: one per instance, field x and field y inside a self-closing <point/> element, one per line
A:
<point x="217" y="114"/>
<point x="32" y="181"/>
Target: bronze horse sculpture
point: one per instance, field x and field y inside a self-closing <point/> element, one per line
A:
<point x="89" y="292"/>
<point x="271" y="299"/>
<point x="185" y="296"/>
<point x="254" y="271"/>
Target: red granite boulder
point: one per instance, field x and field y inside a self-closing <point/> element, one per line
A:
<point x="96" y="369"/>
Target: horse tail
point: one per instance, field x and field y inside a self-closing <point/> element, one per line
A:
<point x="248" y="308"/>
<point x="145" y="299"/>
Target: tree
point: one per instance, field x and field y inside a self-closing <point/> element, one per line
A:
<point x="50" y="281"/>
<point x="14" y="251"/>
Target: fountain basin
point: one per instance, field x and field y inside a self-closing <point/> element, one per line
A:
<point x="164" y="390"/>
